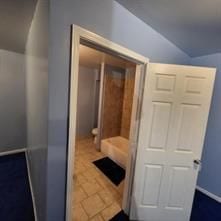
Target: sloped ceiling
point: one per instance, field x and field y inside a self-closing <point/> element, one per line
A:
<point x="192" y="25"/>
<point x="15" y="21"/>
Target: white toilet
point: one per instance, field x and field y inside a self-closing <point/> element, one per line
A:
<point x="94" y="133"/>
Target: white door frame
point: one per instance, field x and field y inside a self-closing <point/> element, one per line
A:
<point x="79" y="33"/>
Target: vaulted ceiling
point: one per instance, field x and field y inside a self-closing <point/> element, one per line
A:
<point x="192" y="25"/>
<point x="16" y="17"/>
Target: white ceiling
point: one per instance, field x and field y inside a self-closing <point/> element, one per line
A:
<point x="15" y="21"/>
<point x="93" y="58"/>
<point x="192" y="25"/>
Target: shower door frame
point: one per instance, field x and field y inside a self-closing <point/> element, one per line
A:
<point x="142" y="62"/>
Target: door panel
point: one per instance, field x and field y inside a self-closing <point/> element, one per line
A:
<point x="153" y="174"/>
<point x="177" y="190"/>
<point x="187" y="129"/>
<point x="175" y="110"/>
<point x="160" y="123"/>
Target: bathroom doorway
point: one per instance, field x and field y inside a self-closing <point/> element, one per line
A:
<point x="108" y="88"/>
<point x="103" y="125"/>
<point x="172" y="113"/>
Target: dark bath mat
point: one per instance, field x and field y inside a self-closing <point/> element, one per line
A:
<point x="113" y="171"/>
<point x="121" y="216"/>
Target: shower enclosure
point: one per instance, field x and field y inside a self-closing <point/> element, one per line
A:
<point x="116" y="101"/>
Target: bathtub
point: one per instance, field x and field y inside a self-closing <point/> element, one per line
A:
<point x="116" y="148"/>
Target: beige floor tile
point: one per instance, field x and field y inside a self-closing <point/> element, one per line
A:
<point x="96" y="198"/>
<point x="80" y="179"/>
<point x="88" y="164"/>
<point x="97" y="218"/>
<point x="79" y="168"/>
<point x="78" y="195"/>
<point x="119" y="200"/>
<point x="110" y="211"/>
<point x="89" y="174"/>
<point x="106" y="196"/>
<point x="91" y="187"/>
<point x="89" y="156"/>
<point x="113" y="190"/>
<point x="102" y="181"/>
<point x="93" y="205"/>
<point x="99" y="154"/>
<point x="120" y="188"/>
<point x="95" y="172"/>
<point x="79" y="214"/>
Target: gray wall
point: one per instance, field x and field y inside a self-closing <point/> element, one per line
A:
<point x="106" y="18"/>
<point x="37" y="104"/>
<point x="86" y="102"/>
<point x="12" y="101"/>
<point x="209" y="177"/>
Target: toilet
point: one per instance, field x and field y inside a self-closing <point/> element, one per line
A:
<point x="94" y="133"/>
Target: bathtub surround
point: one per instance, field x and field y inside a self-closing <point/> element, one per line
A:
<point x="113" y="95"/>
<point x="127" y="102"/>
<point x="12" y="99"/>
<point x="117" y="101"/>
<point x="116" y="148"/>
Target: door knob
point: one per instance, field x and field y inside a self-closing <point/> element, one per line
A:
<point x="197" y="164"/>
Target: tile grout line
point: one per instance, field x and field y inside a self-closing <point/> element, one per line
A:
<point x="106" y="208"/>
<point x="99" y="213"/>
<point x="85" y="199"/>
<point x="84" y="153"/>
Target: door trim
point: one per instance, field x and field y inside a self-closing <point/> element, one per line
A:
<point x="79" y="34"/>
<point x="100" y="106"/>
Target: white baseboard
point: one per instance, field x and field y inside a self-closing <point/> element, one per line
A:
<point x="19" y="150"/>
<point x="211" y="195"/>
<point x="31" y="187"/>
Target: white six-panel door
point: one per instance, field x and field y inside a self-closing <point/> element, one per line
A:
<point x="174" y="116"/>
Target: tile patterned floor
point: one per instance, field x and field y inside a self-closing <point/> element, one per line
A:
<point x="95" y="198"/>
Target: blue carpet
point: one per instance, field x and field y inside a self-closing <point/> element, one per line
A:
<point x="204" y="209"/>
<point x="15" y="195"/>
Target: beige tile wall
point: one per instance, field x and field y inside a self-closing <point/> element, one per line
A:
<point x="117" y="102"/>
<point x="127" y="102"/>
<point x="113" y="95"/>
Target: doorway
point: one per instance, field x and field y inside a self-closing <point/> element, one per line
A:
<point x="175" y="102"/>
<point x="106" y="90"/>
<point x="104" y="107"/>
